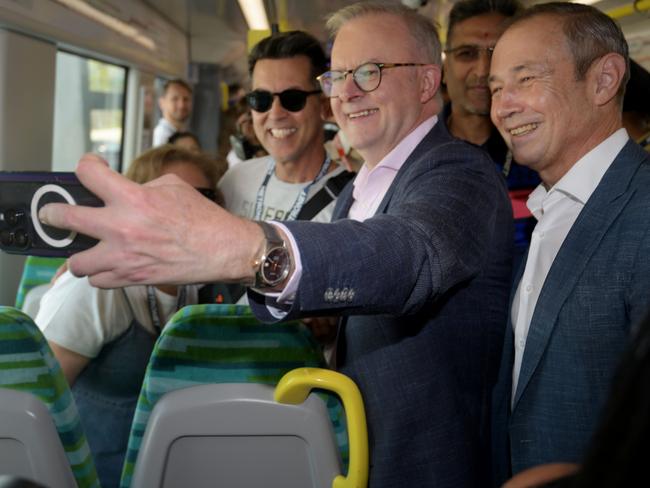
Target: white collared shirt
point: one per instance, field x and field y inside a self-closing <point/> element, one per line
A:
<point x="556" y="210"/>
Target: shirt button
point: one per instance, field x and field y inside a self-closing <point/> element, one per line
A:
<point x="529" y="288"/>
<point x="541" y="235"/>
<point x="522" y="343"/>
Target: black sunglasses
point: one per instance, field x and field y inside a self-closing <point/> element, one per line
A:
<point x="293" y="100"/>
<point x="209" y="193"/>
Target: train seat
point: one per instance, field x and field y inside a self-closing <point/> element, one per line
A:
<point x="253" y="435"/>
<point x="203" y="344"/>
<point x="28" y="365"/>
<point x="30" y="447"/>
<point x="36" y="271"/>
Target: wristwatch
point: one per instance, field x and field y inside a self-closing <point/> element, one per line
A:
<point x="274" y="264"/>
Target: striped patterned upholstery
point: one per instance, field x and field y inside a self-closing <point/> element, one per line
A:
<point x="27" y="364"/>
<point x="224" y="344"/>
<point x="37" y="271"/>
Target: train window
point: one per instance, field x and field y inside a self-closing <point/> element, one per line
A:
<point x="88" y="110"/>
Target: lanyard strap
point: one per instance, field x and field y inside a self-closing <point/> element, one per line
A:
<point x="302" y="196"/>
<point x="153" y="305"/>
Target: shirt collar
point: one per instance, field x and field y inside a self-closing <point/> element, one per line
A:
<point x="584" y="176"/>
<point x="396" y="158"/>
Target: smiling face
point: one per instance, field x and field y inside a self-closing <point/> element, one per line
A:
<point x="375" y="122"/>
<point x="287" y="136"/>
<point x="544" y="114"/>
<point x="466" y="77"/>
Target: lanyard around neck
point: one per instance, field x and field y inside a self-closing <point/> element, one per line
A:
<point x="302" y="196"/>
<point x="153" y="305"/>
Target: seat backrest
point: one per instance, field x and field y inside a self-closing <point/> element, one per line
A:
<point x="27" y="364"/>
<point x="30" y="447"/>
<point x="37" y="271"/>
<point x="203" y="344"/>
<point x="253" y="435"/>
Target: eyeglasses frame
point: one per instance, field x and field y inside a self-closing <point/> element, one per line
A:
<point x="279" y="95"/>
<point x="345" y="73"/>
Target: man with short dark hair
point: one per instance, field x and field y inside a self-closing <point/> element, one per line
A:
<point x="473" y="29"/>
<point x="176" y="105"/>
<point x="556" y="100"/>
<point x="287" y="109"/>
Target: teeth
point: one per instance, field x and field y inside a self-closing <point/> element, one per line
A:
<point x="282" y="133"/>
<point x="524" y="129"/>
<point x="363" y="113"/>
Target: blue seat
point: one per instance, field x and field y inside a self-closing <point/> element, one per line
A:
<point x="28" y="365"/>
<point x="37" y="271"/>
<point x="247" y="434"/>
<point x="203" y="344"/>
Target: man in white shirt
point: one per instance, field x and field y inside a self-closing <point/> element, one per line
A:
<point x="287" y="109"/>
<point x="557" y="79"/>
<point x="417" y="257"/>
<point x="176" y="107"/>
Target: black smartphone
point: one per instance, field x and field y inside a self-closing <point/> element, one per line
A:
<point x="22" y="195"/>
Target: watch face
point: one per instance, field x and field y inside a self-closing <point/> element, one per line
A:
<point x="276" y="266"/>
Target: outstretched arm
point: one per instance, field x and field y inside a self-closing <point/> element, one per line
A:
<point x="163" y="232"/>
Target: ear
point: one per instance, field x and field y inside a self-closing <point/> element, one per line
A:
<point x="607" y="74"/>
<point x="430" y="82"/>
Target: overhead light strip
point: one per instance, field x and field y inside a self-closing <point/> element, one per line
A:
<point x="111" y="22"/>
<point x="255" y="14"/>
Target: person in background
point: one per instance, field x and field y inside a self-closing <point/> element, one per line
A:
<point x="186" y="140"/>
<point x="176" y="107"/>
<point x="244" y="143"/>
<point x="636" y="105"/>
<point x="474" y="26"/>
<point x="103" y="338"/>
<point x="417" y="257"/>
<point x="557" y="102"/>
<point x="288" y="112"/>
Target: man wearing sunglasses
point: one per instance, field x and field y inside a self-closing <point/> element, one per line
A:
<point x="417" y="257"/>
<point x="472" y="31"/>
<point x="288" y="111"/>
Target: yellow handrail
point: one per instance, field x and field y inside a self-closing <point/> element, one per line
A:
<point x="295" y="386"/>
<point x="630" y="9"/>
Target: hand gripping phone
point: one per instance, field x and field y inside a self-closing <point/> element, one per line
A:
<point x="22" y="195"/>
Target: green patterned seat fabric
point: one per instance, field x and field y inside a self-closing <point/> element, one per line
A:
<point x="37" y="271"/>
<point x="27" y="364"/>
<point x="224" y="344"/>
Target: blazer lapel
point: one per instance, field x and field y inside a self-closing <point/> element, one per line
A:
<point x="605" y="204"/>
<point x="435" y="136"/>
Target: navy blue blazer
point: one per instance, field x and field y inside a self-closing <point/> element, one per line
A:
<point x="597" y="287"/>
<point x="425" y="284"/>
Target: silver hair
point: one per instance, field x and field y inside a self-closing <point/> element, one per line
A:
<point x="423" y="30"/>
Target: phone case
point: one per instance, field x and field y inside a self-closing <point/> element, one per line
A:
<point x="22" y="195"/>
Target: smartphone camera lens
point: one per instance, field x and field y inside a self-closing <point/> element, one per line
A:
<point x="12" y="217"/>
<point x="21" y="238"/>
<point x="6" y="238"/>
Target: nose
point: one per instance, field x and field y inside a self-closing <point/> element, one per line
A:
<point x="276" y="110"/>
<point x="349" y="89"/>
<point x="483" y="64"/>
<point x="504" y="104"/>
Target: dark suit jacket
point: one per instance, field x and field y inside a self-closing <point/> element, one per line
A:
<point x="425" y="283"/>
<point x="597" y="287"/>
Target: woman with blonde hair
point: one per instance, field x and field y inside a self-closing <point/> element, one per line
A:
<point x="103" y="338"/>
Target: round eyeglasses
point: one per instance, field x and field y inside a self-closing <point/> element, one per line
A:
<point x="366" y="77"/>
<point x="293" y="100"/>
<point x="469" y="52"/>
